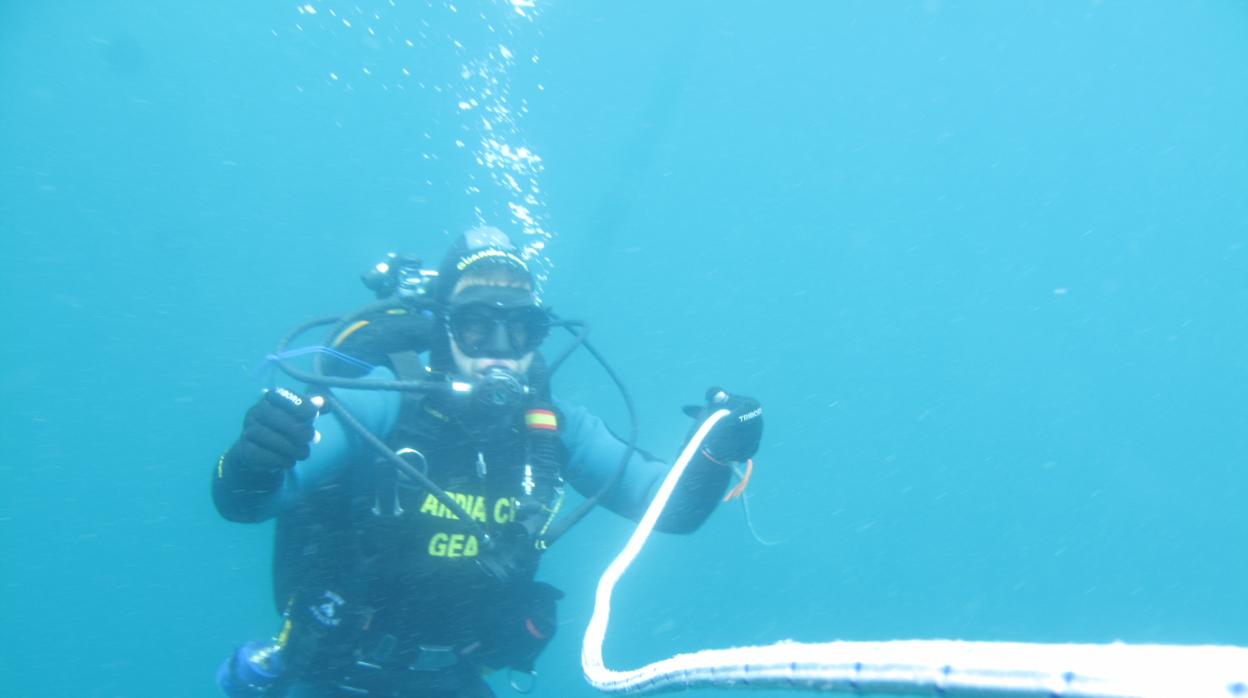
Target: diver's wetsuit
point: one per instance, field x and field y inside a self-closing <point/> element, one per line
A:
<point x="413" y="603"/>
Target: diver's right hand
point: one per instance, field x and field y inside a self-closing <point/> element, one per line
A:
<point x="277" y="432"/>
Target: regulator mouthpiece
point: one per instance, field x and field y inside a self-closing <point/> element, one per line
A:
<point x="501" y="388"/>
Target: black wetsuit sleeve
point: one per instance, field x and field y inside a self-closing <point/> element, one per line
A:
<point x="594" y="453"/>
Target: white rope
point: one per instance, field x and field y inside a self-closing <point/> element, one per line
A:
<point x="910" y="667"/>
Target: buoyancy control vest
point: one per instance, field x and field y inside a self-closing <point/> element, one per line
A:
<point x="386" y="545"/>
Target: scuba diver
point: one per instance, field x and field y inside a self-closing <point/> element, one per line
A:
<point x="414" y="500"/>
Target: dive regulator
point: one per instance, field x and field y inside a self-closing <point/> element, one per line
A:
<point x="399" y="274"/>
<point x="500" y="388"/>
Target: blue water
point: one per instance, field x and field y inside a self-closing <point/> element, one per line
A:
<point x="986" y="265"/>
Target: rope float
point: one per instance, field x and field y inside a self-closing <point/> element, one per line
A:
<point x="910" y="667"/>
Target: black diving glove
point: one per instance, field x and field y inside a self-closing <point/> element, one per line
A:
<point x="277" y="432"/>
<point x="735" y="438"/>
<point x="526" y="623"/>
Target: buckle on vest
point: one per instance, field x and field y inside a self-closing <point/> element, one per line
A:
<point x="435" y="658"/>
<point x="386" y="482"/>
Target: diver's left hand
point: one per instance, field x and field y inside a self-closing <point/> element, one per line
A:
<point x="736" y="437"/>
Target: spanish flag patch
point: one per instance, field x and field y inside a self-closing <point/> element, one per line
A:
<point x="541" y="419"/>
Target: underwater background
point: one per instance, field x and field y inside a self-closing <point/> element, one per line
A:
<point x="984" y="263"/>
